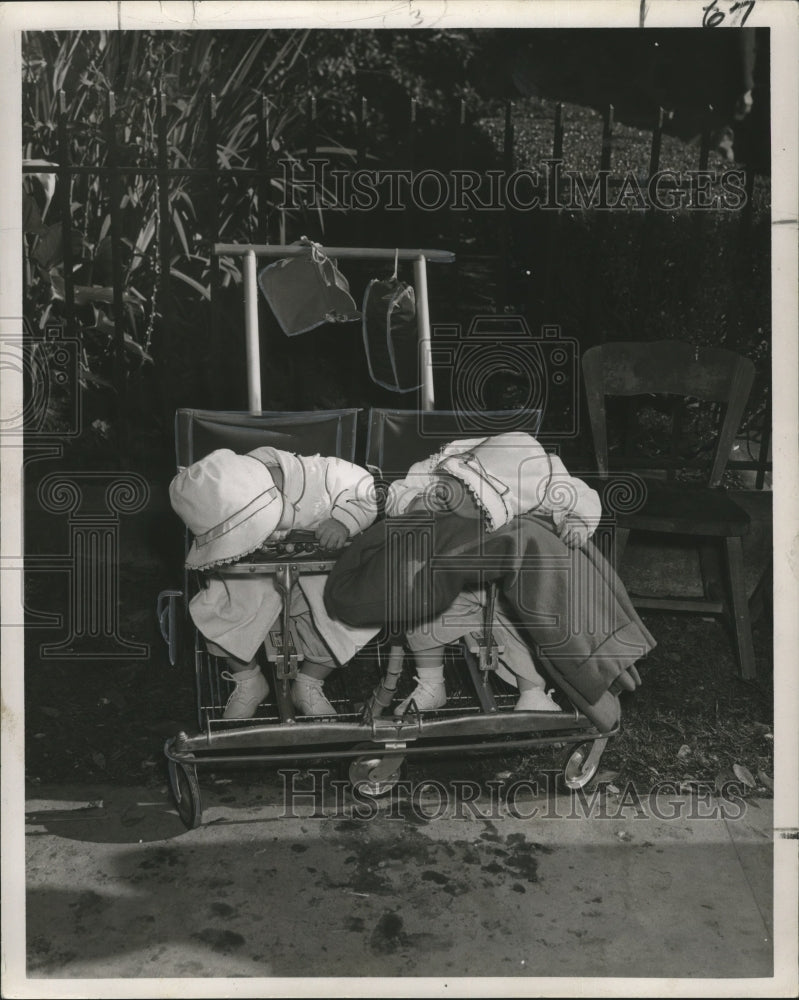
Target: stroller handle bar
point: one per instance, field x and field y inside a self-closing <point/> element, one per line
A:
<point x="251" y="251"/>
<point x="353" y="253"/>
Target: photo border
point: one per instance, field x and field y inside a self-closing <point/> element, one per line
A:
<point x="781" y="16"/>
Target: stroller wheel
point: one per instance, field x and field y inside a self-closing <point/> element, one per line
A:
<point x="376" y="773"/>
<point x="185" y="790"/>
<point x="578" y="767"/>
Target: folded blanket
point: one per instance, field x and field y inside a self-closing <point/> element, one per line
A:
<point x="568" y="603"/>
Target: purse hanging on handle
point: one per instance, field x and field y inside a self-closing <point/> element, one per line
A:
<point x="390" y="334"/>
<point x="306" y="291"/>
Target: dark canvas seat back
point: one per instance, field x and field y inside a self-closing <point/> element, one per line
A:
<point x="311" y="432"/>
<point x="308" y="432"/>
<point x="398" y="438"/>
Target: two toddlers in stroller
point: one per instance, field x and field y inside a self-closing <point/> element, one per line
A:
<point x="234" y="503"/>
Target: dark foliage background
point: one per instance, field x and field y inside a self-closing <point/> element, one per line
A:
<point x="678" y="275"/>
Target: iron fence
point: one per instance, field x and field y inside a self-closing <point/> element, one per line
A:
<point x="268" y="222"/>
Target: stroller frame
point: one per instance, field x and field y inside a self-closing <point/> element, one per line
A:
<point x="375" y="746"/>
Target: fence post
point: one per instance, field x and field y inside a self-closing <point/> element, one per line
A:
<point x="600" y="219"/>
<point x="263" y="167"/>
<point x="650" y="219"/>
<point x="310" y="125"/>
<point x="657" y="135"/>
<point x="607" y="139"/>
<point x="704" y="147"/>
<point x="115" y="199"/>
<point x="697" y="223"/>
<point x="409" y="215"/>
<point x="554" y="215"/>
<point x="749" y="191"/>
<point x="215" y="352"/>
<point x="65" y="199"/>
<point x="162" y="301"/>
<point x="507" y="164"/>
<point x="164" y="225"/>
<point x="455" y="215"/>
<point x="557" y="139"/>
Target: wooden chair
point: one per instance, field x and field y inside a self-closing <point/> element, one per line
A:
<point x="671" y="383"/>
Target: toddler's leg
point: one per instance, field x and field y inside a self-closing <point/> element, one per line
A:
<point x="430" y="692"/>
<point x="428" y="642"/>
<point x="307" y="690"/>
<point x="518" y="667"/>
<point x="251" y="685"/>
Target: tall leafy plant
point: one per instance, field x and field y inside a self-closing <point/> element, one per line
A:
<point x="68" y="80"/>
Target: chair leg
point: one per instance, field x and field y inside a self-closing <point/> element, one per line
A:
<point x="760" y="602"/>
<point x="622" y="534"/>
<point x="709" y="563"/>
<point x="741" y="623"/>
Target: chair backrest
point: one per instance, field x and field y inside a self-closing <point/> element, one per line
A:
<point x="308" y="432"/>
<point x="678" y="372"/>
<point x="398" y="438"/>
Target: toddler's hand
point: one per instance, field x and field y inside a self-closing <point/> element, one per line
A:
<point x="332" y="534"/>
<point x="574" y="532"/>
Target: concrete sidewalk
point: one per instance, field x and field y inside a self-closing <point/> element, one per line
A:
<point x="117" y="887"/>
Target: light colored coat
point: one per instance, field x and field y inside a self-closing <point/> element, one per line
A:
<point x="236" y="613"/>
<point x="508" y="475"/>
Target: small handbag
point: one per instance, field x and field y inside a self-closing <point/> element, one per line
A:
<point x="390" y="335"/>
<point x="306" y="291"/>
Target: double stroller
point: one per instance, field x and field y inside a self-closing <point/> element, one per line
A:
<point x="479" y="712"/>
<point x="364" y="736"/>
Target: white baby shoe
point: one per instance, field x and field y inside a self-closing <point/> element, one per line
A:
<point x="309" y="698"/>
<point x="428" y="695"/>
<point x="536" y="700"/>
<point x="250" y="690"/>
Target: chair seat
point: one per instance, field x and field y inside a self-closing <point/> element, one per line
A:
<point x="680" y="508"/>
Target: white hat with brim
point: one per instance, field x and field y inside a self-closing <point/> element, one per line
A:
<point x="230" y="504"/>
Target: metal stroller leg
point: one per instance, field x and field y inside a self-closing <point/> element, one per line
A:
<point x="286" y="660"/>
<point x="375" y="773"/>
<point x="481" y="653"/>
<point x="383" y="694"/>
<point x="478" y="676"/>
<point x="482" y="645"/>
